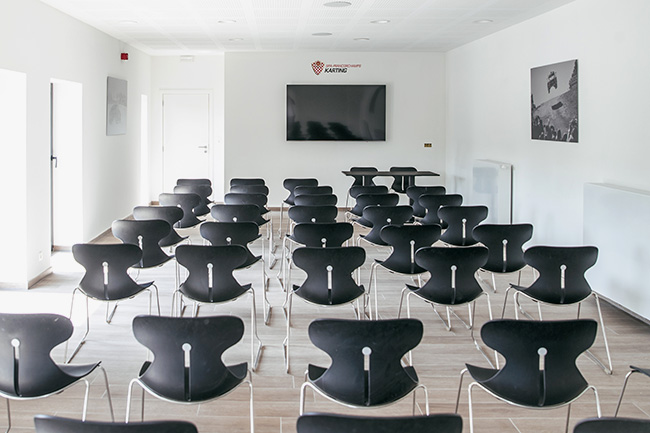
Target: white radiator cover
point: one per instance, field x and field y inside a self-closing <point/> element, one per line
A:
<point x="616" y="220"/>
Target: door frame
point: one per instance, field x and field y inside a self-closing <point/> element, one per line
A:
<point x="177" y="91"/>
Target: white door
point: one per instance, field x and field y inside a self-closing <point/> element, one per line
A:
<point x="186" y="137"/>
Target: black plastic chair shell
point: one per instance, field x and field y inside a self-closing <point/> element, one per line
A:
<point x="415" y="192"/>
<point x="612" y="425"/>
<point x="187" y="202"/>
<point x="432" y="202"/>
<point x="147" y="235"/>
<point x="53" y="424"/>
<point x="171" y="214"/>
<point x="331" y="423"/>
<point x="381" y="216"/>
<point x="461" y="221"/>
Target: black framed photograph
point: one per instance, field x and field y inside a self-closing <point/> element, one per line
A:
<point x="554" y="102"/>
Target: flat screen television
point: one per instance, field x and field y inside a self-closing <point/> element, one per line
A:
<point x="336" y="112"/>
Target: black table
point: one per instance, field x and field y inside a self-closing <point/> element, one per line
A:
<point x="369" y="174"/>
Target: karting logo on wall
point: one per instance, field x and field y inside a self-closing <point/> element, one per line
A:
<point x="332" y="68"/>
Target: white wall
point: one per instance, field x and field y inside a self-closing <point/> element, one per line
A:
<point x="170" y="74"/>
<point x="489" y="110"/>
<point x="255" y="119"/>
<point x="46" y="44"/>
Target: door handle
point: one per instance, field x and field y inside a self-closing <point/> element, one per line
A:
<point x="203" y="147"/>
<point x="55" y="159"/>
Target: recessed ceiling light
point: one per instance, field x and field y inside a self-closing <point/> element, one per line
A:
<point x="128" y="22"/>
<point x="380" y="22"/>
<point x="361" y="39"/>
<point x="321" y="34"/>
<point x="236" y="39"/>
<point x="337" y="4"/>
<point x="484" y="21"/>
<point x="226" y="21"/>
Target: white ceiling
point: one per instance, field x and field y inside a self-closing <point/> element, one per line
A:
<point x="195" y="27"/>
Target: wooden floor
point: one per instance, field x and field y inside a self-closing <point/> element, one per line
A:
<point x="438" y="359"/>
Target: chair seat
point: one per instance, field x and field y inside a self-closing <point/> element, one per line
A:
<point x="236" y="375"/>
<point x="221" y="295"/>
<point x="314" y="374"/>
<point x="322" y="297"/>
<point x="488" y="379"/>
<point x="551" y="297"/>
<point x="401" y="267"/>
<point x="153" y="261"/>
<point x="449" y="298"/>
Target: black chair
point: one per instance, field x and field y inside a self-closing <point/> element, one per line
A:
<point x="316" y="200"/>
<point x="381" y="216"/>
<point x="53" y="424"/>
<point x="355" y="190"/>
<point x="250" y="189"/>
<point x="331" y="234"/>
<point x="452" y="283"/>
<point x="187" y="202"/>
<point x="366" y="368"/>
<point x="202" y="190"/>
<point x="187" y="364"/>
<point x="211" y="280"/>
<point x="145" y="234"/>
<point x="246" y="212"/>
<point x="246" y="181"/>
<point x="290" y="184"/>
<point x="311" y="214"/>
<point x="238" y="233"/>
<point x="612" y="425"/>
<point x="329" y="281"/>
<point x="363" y="180"/>
<point x="27" y="371"/>
<point x="461" y="221"/>
<point x="331" y="423"/>
<point x="415" y="192"/>
<point x="405" y="241"/>
<point x="561" y="282"/>
<point x="106" y="279"/>
<point x="370" y="199"/>
<point x="400" y="182"/>
<point x="260" y="200"/>
<point x="540" y="369"/>
<point x="633" y="369"/>
<point x="505" y="246"/>
<point x="171" y="214"/>
<point x="432" y="202"/>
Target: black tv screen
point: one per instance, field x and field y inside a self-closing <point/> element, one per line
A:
<point x="347" y="112"/>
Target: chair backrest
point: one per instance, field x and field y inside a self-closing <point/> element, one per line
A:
<point x="373" y="199"/>
<point x="53" y="424"/>
<point x="381" y="216"/>
<point x="197" y="181"/>
<point x="259" y="200"/>
<point x="453" y="273"/>
<point x="315" y="200"/>
<point x="26" y="340"/>
<point x="250" y="189"/>
<point x="312" y="189"/>
<point x="323" y="235"/>
<point x="291" y="183"/>
<point x="171" y="214"/>
<point x="106" y="277"/>
<point x="406" y="240"/>
<point x="235" y="212"/>
<point x="505" y="245"/>
<point x="432" y="202"/>
<point x="561" y="272"/>
<point x="331" y="423"/>
<point x="355" y="190"/>
<point x="461" y="221"/>
<point x="246" y="181"/>
<point x="232" y="233"/>
<point x="612" y="425"/>
<point x="210" y="271"/>
<point x="147" y="235"/>
<point x="202" y="190"/>
<point x="378" y="344"/>
<point x="329" y="274"/>
<point x="540" y="368"/>
<point x="313" y="214"/>
<point x="187" y="364"/>
<point x="365" y="180"/>
<point x="402" y="183"/>
<point x="414" y="193"/>
<point x="187" y="202"/>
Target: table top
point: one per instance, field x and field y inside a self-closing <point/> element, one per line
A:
<point x="389" y="173"/>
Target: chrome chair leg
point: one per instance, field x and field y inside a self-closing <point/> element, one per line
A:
<point x="620" y="398"/>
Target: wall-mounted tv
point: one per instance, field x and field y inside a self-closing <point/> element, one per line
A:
<point x="336" y="112"/>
